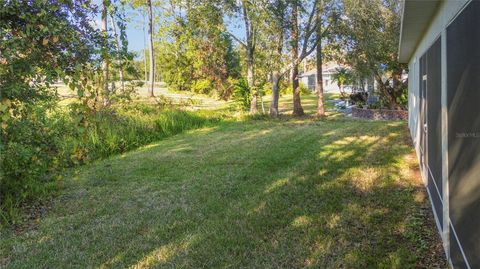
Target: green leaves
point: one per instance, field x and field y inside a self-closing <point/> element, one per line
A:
<point x="195" y="48"/>
<point x="41" y="42"/>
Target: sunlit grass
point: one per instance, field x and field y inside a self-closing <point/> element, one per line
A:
<point x="254" y="194"/>
<point x="184" y="100"/>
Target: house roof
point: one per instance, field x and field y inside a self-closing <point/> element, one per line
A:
<point x="416" y="17"/>
<point x="327" y="68"/>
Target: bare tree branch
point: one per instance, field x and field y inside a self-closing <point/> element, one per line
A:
<point x="237" y="39"/>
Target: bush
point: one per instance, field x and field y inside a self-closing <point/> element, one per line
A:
<point x="402" y="100"/>
<point x="359" y="97"/>
<point x="29" y="144"/>
<point x="288" y="89"/>
<point x="304" y="89"/>
<point x="35" y="148"/>
<point x="241" y="94"/>
<point x="203" y="86"/>
<point x="267" y="88"/>
<point x="376" y="105"/>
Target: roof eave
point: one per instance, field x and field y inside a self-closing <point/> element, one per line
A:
<point x="416" y="18"/>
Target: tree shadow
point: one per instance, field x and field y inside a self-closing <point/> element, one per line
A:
<point x="261" y="194"/>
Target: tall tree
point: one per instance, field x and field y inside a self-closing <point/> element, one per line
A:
<point x="145" y="67"/>
<point x="277" y="20"/>
<point x="319" y="80"/>
<point x="309" y="43"/>
<point x="195" y="52"/>
<point x="105" y="54"/>
<point x="248" y="10"/>
<point x="118" y="52"/>
<point x="151" y="50"/>
<point x="250" y="33"/>
<point x="276" y="78"/>
<point x="302" y="43"/>
<point x="297" y="105"/>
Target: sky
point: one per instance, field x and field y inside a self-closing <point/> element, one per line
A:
<point x="137" y="38"/>
<point x="135" y="33"/>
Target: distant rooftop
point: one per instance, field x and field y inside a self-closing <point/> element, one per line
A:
<point x="327" y="68"/>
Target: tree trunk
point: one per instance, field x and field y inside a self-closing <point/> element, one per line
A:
<point x="119" y="56"/>
<point x="319" y="82"/>
<point x="152" y="59"/>
<point x="386" y="93"/>
<point x="250" y="49"/>
<point x="251" y="83"/>
<point x="262" y="104"/>
<point x="297" y="105"/>
<point x="145" y="52"/>
<point x="275" y="94"/>
<point x="276" y="74"/>
<point x="105" y="57"/>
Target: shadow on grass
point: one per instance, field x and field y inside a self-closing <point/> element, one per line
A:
<point x="289" y="194"/>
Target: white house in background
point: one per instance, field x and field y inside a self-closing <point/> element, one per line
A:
<point x="440" y="41"/>
<point x="309" y="78"/>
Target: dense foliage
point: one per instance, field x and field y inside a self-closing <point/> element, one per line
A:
<point x="370" y="35"/>
<point x="195" y="52"/>
<point x="42" y="41"/>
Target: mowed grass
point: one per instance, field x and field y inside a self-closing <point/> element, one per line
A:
<point x="289" y="193"/>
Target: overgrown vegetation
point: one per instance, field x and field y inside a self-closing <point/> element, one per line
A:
<point x="47" y="42"/>
<point x="40" y="145"/>
<point x="195" y="52"/>
<point x="41" y="42"/>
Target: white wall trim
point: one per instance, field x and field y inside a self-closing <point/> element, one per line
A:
<point x="444" y="128"/>
<point x="460" y="246"/>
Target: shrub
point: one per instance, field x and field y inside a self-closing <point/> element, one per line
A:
<point x="226" y="89"/>
<point x="288" y="89"/>
<point x="359" y="97"/>
<point x="28" y="146"/>
<point x="376" y="105"/>
<point x="402" y="100"/>
<point x="203" y="86"/>
<point x="241" y="94"/>
<point x="304" y="89"/>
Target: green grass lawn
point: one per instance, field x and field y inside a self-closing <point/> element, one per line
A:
<point x="285" y="193"/>
<point x="288" y="193"/>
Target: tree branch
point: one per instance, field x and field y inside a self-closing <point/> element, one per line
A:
<point x="237" y="39"/>
<point x="309" y="30"/>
